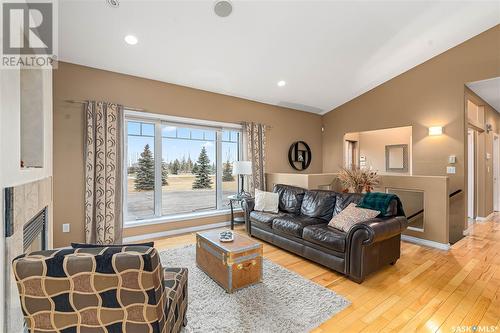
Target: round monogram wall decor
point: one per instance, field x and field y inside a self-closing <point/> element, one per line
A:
<point x="299" y="155"/>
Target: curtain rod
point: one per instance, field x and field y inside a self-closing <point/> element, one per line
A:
<point x="83" y="102"/>
<point x="143" y="110"/>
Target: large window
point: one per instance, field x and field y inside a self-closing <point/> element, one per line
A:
<point x="175" y="168"/>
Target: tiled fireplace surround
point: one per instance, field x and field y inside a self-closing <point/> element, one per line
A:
<point x="22" y="203"/>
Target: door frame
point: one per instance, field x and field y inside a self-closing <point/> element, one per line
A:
<point x="496" y="172"/>
<point x="471" y="173"/>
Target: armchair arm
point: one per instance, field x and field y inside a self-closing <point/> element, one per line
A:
<point x="247" y="205"/>
<point x="377" y="229"/>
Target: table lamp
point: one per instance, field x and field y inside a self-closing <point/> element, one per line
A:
<point x="242" y="168"/>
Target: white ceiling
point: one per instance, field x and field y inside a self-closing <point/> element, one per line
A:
<point x="328" y="52"/>
<point x="489" y="90"/>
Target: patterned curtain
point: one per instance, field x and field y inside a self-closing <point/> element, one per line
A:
<point x="103" y="175"/>
<point x="255" y="137"/>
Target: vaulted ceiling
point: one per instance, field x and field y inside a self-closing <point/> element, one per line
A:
<point x="489" y="90"/>
<point x="327" y="52"/>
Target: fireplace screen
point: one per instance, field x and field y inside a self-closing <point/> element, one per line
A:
<point x="34" y="233"/>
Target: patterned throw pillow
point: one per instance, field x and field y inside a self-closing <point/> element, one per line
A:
<point x="350" y="216"/>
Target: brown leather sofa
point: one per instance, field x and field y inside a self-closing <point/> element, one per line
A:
<point x="301" y="227"/>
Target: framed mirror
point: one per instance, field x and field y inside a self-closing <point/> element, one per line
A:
<point x="396" y="158"/>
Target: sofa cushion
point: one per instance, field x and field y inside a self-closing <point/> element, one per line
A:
<point x="344" y="199"/>
<point x="325" y="236"/>
<point x="294" y="224"/>
<point x="264" y="218"/>
<point x="290" y="197"/>
<point x="318" y="204"/>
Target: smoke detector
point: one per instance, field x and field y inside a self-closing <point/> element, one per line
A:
<point x="113" y="3"/>
<point x="223" y="8"/>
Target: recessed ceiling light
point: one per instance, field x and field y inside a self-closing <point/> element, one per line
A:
<point x="223" y="8"/>
<point x="131" y="39"/>
<point x="281" y="83"/>
<point x="113" y="3"/>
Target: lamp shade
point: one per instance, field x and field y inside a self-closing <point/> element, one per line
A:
<point x="242" y="168"/>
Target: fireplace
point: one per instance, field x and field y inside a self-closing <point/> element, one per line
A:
<point x="27" y="210"/>
<point x="35" y="233"/>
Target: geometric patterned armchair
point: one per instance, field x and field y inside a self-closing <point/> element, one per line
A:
<point x="101" y="290"/>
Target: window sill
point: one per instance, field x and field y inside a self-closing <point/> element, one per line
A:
<point x="178" y="217"/>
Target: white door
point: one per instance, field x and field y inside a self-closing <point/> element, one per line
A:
<point x="470" y="174"/>
<point x="496" y="170"/>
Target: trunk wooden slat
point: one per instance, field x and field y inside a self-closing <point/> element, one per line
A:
<point x="233" y="265"/>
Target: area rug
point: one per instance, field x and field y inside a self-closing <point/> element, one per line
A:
<point x="283" y="302"/>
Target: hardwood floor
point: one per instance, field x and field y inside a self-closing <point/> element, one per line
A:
<point x="427" y="290"/>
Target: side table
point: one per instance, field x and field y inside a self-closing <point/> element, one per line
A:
<point x="235" y="219"/>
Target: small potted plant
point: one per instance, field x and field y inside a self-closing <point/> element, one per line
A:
<point x="358" y="180"/>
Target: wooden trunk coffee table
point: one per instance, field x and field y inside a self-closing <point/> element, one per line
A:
<point x="233" y="265"/>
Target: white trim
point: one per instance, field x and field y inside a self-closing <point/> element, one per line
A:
<point x="218" y="170"/>
<point x="181" y="120"/>
<point x="162" y="234"/>
<point x="158" y="159"/>
<point x="425" y="242"/>
<point x="471" y="173"/>
<point x="178" y="218"/>
<point x="416" y="229"/>
<point x="481" y="219"/>
<point x="124" y="170"/>
<point x="470" y="224"/>
<point x="496" y="172"/>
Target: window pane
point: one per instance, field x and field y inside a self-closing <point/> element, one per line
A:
<point x="235" y="136"/>
<point x="169" y="132"/>
<point x="140" y="173"/>
<point x="183" y="132"/>
<point x="190" y="168"/>
<point x="197" y="134"/>
<point x="225" y="135"/>
<point x="134" y="128"/>
<point x="148" y="129"/>
<point x="209" y="135"/>
<point x="229" y="182"/>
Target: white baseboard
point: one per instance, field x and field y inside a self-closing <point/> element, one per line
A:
<point x="481" y="219"/>
<point x="167" y="233"/>
<point x="425" y="242"/>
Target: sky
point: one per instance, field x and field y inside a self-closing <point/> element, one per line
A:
<point x="175" y="146"/>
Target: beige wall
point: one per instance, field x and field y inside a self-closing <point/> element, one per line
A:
<point x="431" y="94"/>
<point x="74" y="82"/>
<point x="372" y="146"/>
<point x="484" y="146"/>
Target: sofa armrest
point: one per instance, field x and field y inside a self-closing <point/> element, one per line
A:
<point x="247" y="205"/>
<point x="377" y="229"/>
<point x="372" y="244"/>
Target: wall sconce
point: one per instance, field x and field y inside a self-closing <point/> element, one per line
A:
<point x="435" y="130"/>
